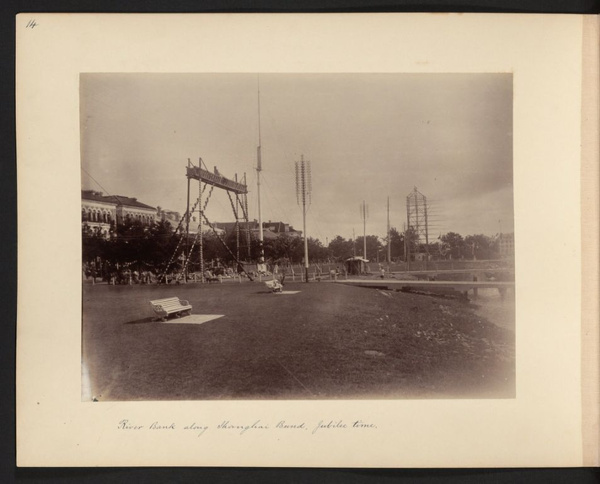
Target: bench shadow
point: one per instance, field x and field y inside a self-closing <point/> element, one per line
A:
<point x="147" y="320"/>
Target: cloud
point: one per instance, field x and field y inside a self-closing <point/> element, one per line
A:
<point x="368" y="136"/>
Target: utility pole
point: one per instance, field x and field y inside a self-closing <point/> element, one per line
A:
<point x="187" y="225"/>
<point x="200" y="215"/>
<point x="353" y="243"/>
<point x="364" y="213"/>
<point x="389" y="241"/>
<point x="303" y="190"/>
<point x="236" y="212"/>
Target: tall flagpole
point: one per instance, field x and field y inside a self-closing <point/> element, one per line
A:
<point x="258" y="170"/>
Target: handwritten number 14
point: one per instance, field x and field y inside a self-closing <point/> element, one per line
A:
<point x="31" y="24"/>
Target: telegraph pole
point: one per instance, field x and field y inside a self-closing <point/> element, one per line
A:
<point x="200" y="222"/>
<point x="364" y="213"/>
<point x="303" y="190"/>
<point x="187" y="225"/>
<point x="389" y="244"/>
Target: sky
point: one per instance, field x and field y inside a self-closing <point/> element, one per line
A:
<point x="368" y="137"/>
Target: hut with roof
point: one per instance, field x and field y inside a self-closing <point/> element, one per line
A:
<point x="356" y="265"/>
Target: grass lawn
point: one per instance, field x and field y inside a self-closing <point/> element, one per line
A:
<point x="328" y="341"/>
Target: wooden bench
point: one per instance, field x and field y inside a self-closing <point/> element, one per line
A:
<point x="274" y="285"/>
<point x="171" y="305"/>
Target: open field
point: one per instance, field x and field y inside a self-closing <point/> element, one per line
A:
<point x="328" y="341"/>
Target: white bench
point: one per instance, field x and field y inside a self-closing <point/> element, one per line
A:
<point x="274" y="285"/>
<point x="171" y="305"/>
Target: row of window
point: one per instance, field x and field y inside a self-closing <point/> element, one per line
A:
<point x="145" y="219"/>
<point x="95" y="216"/>
<point x="106" y="217"/>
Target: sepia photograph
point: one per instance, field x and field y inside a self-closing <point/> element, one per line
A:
<point x="322" y="241"/>
<point x="297" y="236"/>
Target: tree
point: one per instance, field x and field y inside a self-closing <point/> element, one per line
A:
<point x="317" y="253"/>
<point x="144" y="246"/>
<point x="453" y="244"/>
<point x="157" y="244"/>
<point x="285" y="247"/>
<point x="340" y="248"/>
<point x="373" y="247"/>
<point x="396" y="244"/>
<point x="93" y="243"/>
<point x="411" y="238"/>
<point x="481" y="247"/>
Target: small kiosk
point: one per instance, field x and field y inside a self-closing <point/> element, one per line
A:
<point x="356" y="266"/>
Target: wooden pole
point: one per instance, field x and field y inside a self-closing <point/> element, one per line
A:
<point x="201" y="214"/>
<point x="187" y="225"/>
<point x="389" y="247"/>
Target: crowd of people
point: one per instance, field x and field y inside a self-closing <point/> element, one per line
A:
<point x="115" y="274"/>
<point x="129" y="274"/>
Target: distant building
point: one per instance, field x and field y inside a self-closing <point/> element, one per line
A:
<point x="168" y="215"/>
<point x="271" y="230"/>
<point x="205" y="227"/>
<point x="506" y="245"/>
<point x="99" y="211"/>
<point x="422" y="256"/>
<point x="129" y="209"/>
<point x="96" y="211"/>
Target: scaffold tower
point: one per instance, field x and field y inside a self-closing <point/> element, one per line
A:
<point x="237" y="192"/>
<point x="417" y="222"/>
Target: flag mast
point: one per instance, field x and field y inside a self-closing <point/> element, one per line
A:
<point x="258" y="170"/>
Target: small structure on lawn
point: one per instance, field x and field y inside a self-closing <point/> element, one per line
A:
<point x="356" y="265"/>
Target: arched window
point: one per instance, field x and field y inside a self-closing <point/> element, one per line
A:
<point x="83" y="215"/>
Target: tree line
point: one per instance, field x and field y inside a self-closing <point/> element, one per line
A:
<point x="151" y="247"/>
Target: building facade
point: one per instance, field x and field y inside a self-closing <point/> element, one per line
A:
<point x="271" y="230"/>
<point x="99" y="211"/>
<point x="167" y="215"/>
<point x="506" y="245"/>
<point x="129" y="209"/>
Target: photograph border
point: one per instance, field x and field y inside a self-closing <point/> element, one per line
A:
<point x="11" y="190"/>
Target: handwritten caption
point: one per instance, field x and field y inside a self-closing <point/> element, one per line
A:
<point x="242" y="428"/>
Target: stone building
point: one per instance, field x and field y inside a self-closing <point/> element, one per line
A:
<point x="506" y="245"/>
<point x="98" y="211"/>
<point x="129" y="208"/>
<point x="271" y="230"/>
<point x="168" y="215"/>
